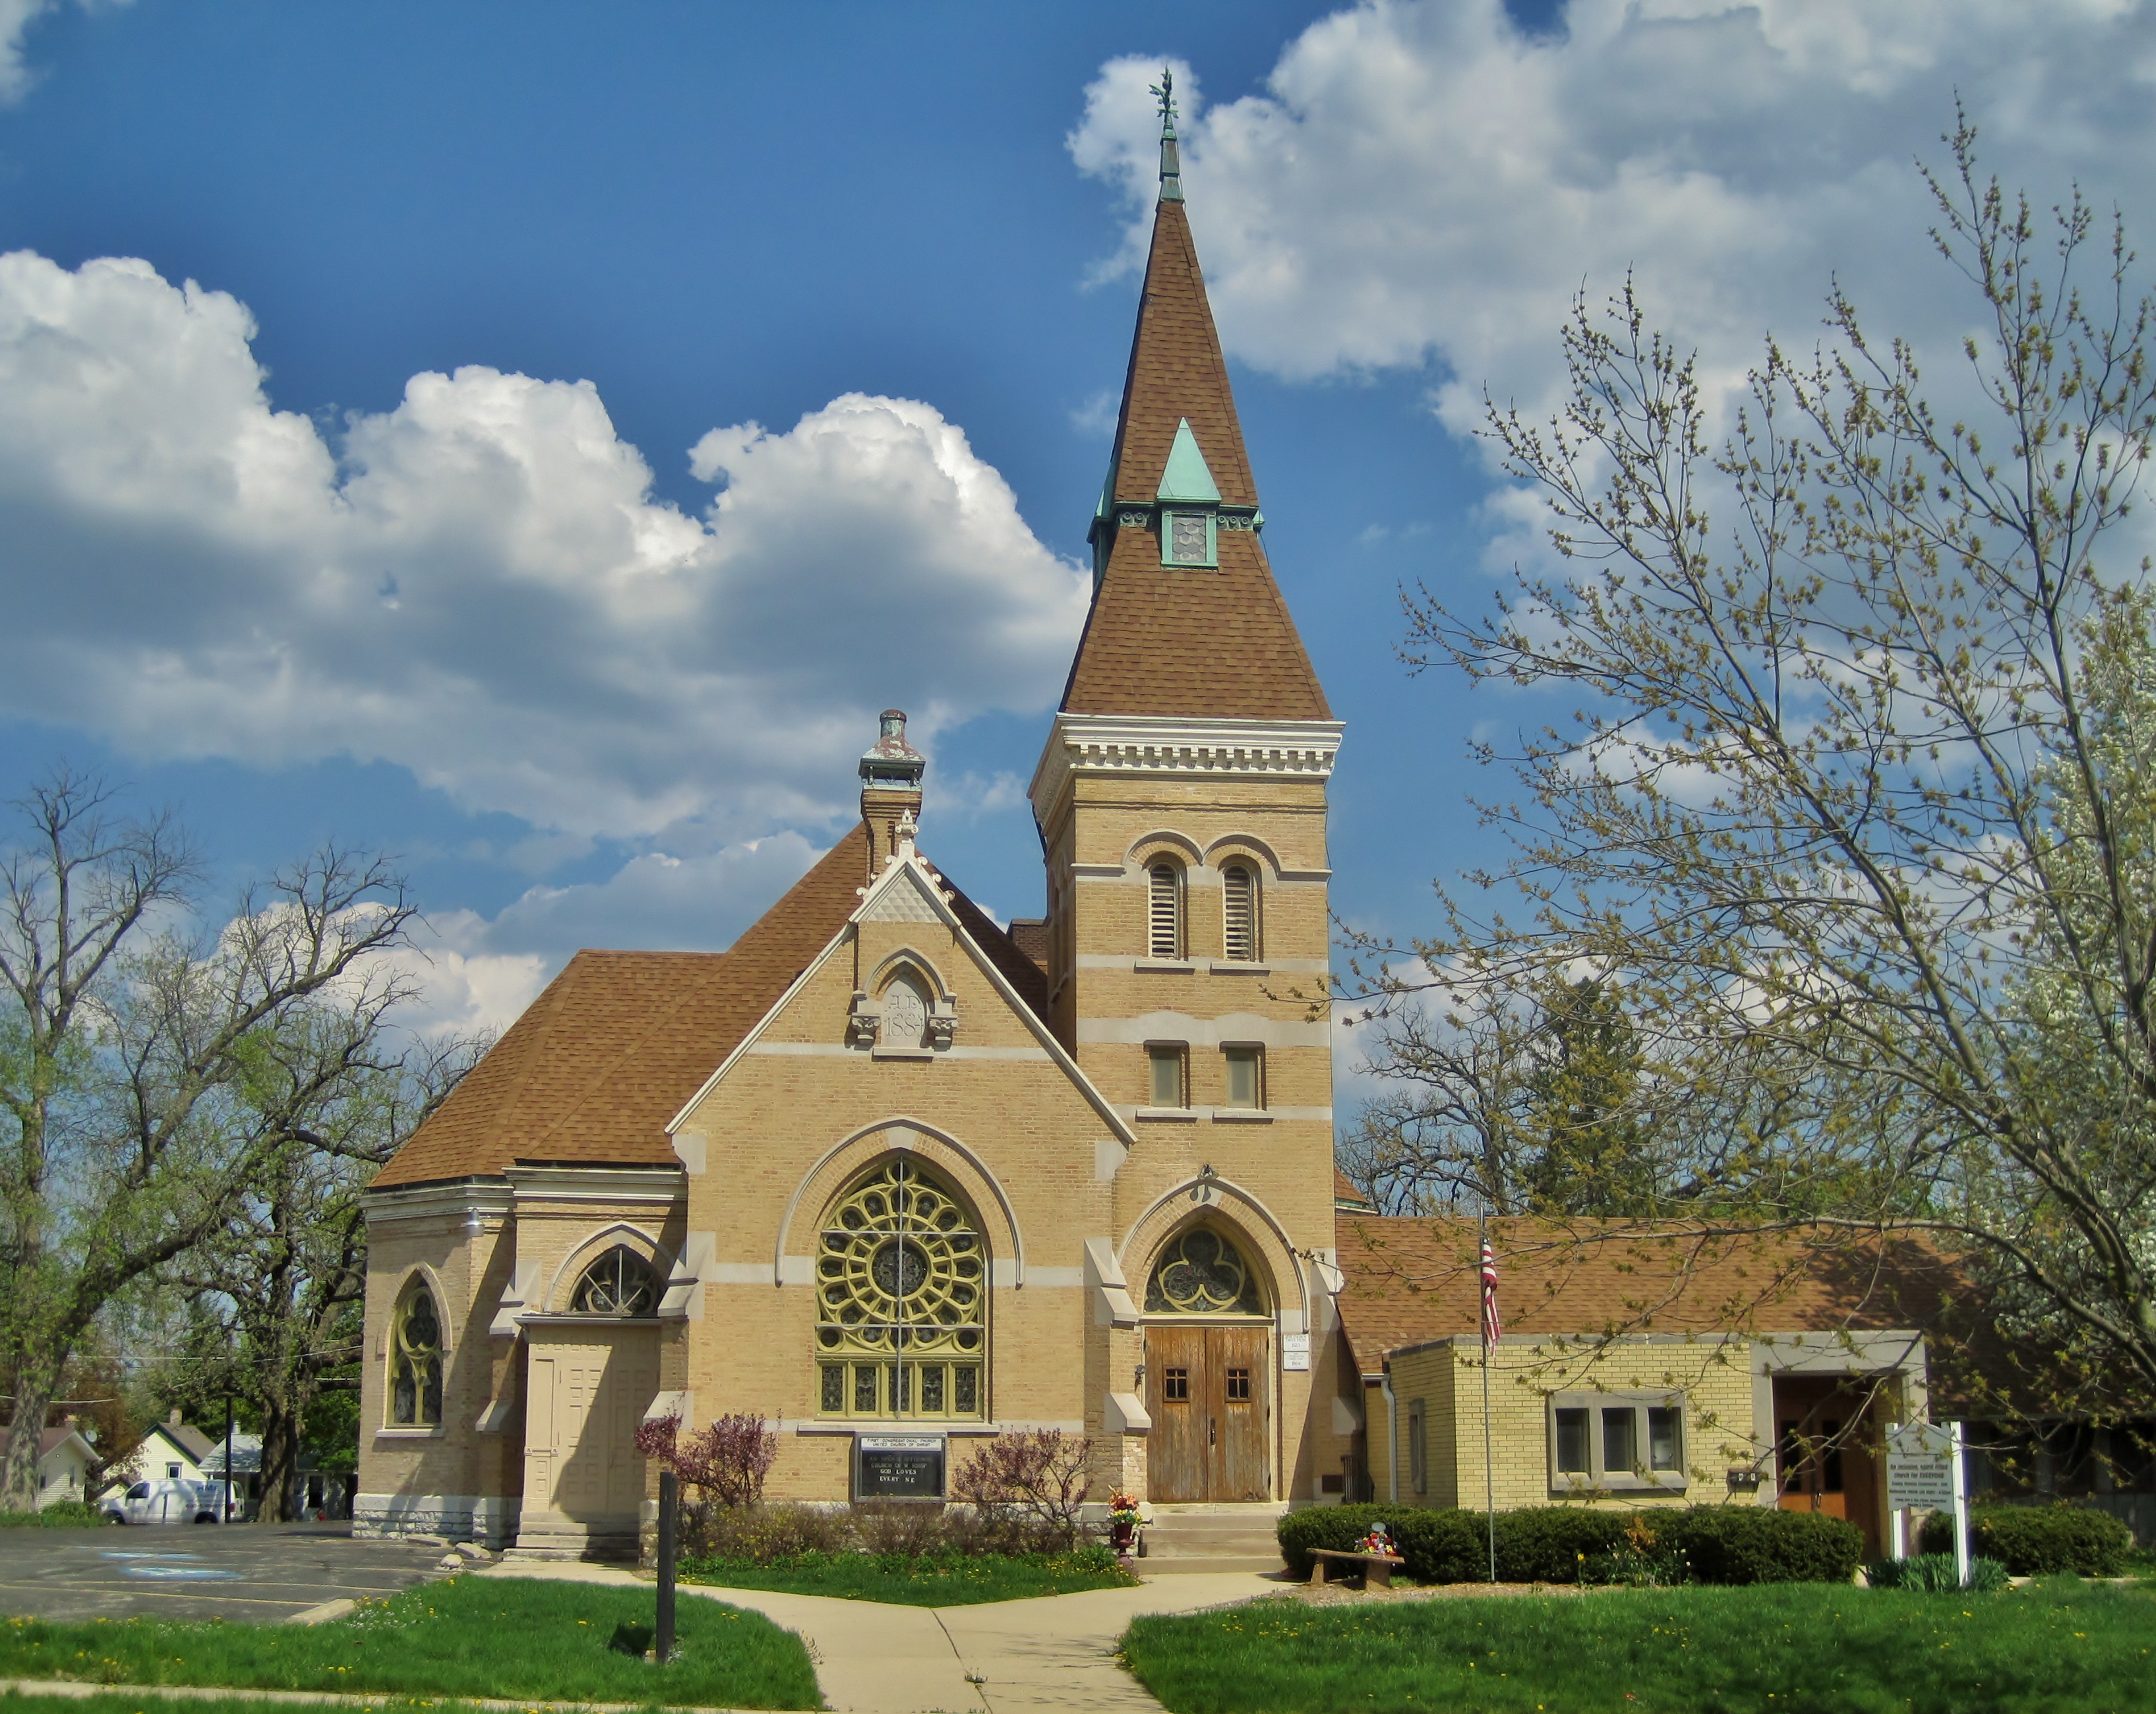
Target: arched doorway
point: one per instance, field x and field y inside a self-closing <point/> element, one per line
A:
<point x="1208" y="1373"/>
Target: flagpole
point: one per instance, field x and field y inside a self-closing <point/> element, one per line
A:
<point x="1489" y="1349"/>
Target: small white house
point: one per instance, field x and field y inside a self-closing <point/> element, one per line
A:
<point x="64" y="1459"/>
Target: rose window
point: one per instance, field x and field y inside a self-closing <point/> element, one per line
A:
<point x="1203" y="1274"/>
<point x="901" y="1299"/>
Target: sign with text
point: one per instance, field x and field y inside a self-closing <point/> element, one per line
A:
<point x="1295" y="1351"/>
<point x="1920" y="1468"/>
<point x="898" y="1466"/>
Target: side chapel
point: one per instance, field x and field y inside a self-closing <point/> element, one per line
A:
<point x="895" y="1178"/>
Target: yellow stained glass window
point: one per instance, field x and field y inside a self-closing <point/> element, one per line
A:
<point x="1203" y="1274"/>
<point x="415" y="1362"/>
<point x="901" y="1299"/>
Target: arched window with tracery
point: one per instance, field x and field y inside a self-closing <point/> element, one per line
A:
<point x="901" y="1299"/>
<point x="1238" y="905"/>
<point x="1203" y="1273"/>
<point x="415" y="1360"/>
<point x="620" y="1283"/>
<point x="1164" y="910"/>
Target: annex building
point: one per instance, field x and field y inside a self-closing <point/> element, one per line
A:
<point x="895" y="1178"/>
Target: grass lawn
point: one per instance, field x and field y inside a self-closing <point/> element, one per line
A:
<point x="939" y="1580"/>
<point x="2061" y="1647"/>
<point x="467" y="1636"/>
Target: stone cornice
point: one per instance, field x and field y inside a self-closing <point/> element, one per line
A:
<point x="1162" y="744"/>
<point x="481" y="1197"/>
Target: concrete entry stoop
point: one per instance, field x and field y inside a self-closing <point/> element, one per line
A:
<point x="1202" y="1536"/>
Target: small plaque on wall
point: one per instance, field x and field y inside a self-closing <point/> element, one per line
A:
<point x="898" y="1466"/>
<point x="1295" y="1351"/>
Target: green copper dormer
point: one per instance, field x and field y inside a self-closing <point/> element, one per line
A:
<point x="1189" y="505"/>
<point x="1186" y="478"/>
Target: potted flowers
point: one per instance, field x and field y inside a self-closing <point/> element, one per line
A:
<point x="1123" y="1518"/>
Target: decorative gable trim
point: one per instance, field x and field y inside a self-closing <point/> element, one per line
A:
<point x="911" y="870"/>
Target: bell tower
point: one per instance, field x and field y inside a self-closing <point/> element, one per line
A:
<point x="1181" y="801"/>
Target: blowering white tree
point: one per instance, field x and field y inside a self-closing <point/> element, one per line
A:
<point x="1855" y="809"/>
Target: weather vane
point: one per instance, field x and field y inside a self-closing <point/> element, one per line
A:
<point x="1164" y="91"/>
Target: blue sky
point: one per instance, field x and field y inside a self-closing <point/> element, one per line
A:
<point x="582" y="419"/>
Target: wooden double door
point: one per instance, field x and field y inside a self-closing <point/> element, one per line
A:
<point x="1208" y="1392"/>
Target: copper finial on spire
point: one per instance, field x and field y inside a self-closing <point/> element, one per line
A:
<point x="1171" y="163"/>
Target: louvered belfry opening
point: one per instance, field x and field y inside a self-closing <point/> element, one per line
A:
<point x="1164" y="919"/>
<point x="1239" y="892"/>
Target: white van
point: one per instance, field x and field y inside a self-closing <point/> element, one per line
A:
<point x="165" y="1502"/>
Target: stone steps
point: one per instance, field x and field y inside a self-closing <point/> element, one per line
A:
<point x="1197" y="1538"/>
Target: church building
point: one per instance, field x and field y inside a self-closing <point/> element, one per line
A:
<point x="895" y="1178"/>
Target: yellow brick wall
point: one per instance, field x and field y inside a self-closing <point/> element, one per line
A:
<point x="1712" y="1375"/>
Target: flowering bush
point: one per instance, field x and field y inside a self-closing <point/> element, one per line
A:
<point x="722" y="1467"/>
<point x="1028" y="1489"/>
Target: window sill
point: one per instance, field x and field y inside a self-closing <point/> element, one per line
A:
<point x="1230" y="967"/>
<point x="1241" y="1115"/>
<point x="407" y="1433"/>
<point x="896" y="1425"/>
<point x="1182" y="966"/>
<point x="1176" y="1116"/>
<point x="1573" y="1484"/>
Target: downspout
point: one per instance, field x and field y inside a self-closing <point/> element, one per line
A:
<point x="1391" y="1437"/>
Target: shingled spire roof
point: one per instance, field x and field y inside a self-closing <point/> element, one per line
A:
<point x="1191" y="641"/>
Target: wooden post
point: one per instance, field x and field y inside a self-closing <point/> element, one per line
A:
<point x="663" y="1643"/>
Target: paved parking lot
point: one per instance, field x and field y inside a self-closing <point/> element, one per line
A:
<point x="260" y="1573"/>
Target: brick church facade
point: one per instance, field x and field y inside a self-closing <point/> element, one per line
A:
<point x="895" y="1178"/>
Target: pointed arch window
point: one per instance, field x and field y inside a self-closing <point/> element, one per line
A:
<point x="1238" y="896"/>
<point x="1164" y="911"/>
<point x="620" y="1283"/>
<point x="415" y="1360"/>
<point x="901" y="1299"/>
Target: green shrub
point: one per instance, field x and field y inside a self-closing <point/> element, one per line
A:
<point x="1933" y="1574"/>
<point x="1756" y="1544"/>
<point x="2039" y="1540"/>
<point x="1534" y="1544"/>
<point x="60" y="1515"/>
<point x="1546" y="1544"/>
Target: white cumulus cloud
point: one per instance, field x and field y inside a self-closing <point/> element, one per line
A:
<point x="480" y="585"/>
<point x="1421" y="181"/>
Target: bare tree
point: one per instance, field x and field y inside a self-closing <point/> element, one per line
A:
<point x="1847" y="805"/>
<point x="145" y="1074"/>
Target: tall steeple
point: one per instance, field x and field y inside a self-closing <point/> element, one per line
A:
<point x="1186" y="618"/>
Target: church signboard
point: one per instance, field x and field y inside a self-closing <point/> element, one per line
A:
<point x="898" y="1466"/>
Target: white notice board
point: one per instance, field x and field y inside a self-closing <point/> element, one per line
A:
<point x="1920" y="1468"/>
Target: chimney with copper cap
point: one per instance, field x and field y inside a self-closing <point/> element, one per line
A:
<point x="891" y="788"/>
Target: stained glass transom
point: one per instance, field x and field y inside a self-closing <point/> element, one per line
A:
<point x="620" y="1283"/>
<point x="901" y="1299"/>
<point x="1203" y="1274"/>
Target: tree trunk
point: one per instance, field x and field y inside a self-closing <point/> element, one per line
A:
<point x="280" y="1462"/>
<point x="35" y="1384"/>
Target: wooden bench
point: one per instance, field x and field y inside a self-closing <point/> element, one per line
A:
<point x="1375" y="1569"/>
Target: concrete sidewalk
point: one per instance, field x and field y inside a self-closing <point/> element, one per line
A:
<point x="1054" y="1652"/>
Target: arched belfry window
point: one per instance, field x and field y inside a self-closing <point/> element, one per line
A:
<point x="620" y="1283"/>
<point x="415" y="1360"/>
<point x="901" y="1299"/>
<point x="1164" y="911"/>
<point x="1202" y="1273"/>
<point x="1238" y="896"/>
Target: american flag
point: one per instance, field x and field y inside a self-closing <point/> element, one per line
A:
<point x="1491" y="1331"/>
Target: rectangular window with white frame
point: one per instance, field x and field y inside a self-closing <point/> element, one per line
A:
<point x="1617" y="1441"/>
